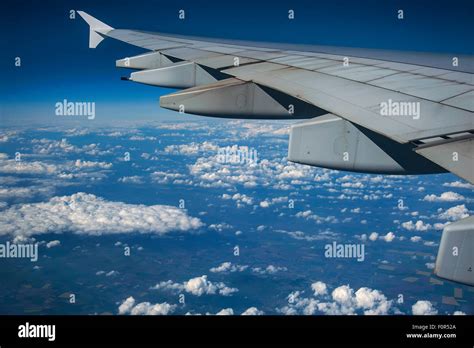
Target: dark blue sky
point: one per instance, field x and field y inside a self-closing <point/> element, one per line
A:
<point x="57" y="63"/>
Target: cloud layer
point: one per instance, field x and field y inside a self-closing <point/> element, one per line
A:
<point x="197" y="286"/>
<point x="83" y="213"/>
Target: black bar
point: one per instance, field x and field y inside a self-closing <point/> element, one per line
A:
<point x="287" y="330"/>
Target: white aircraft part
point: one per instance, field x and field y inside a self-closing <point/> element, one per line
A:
<point x="96" y="28"/>
<point x="351" y="83"/>
<point x="178" y="75"/>
<point x="144" y="61"/>
<point x="332" y="142"/>
<point x="226" y="98"/>
<point x="455" y="156"/>
<point x="455" y="259"/>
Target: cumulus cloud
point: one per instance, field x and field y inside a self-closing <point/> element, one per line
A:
<point x="373" y="236"/>
<point x="10" y="166"/>
<point x="459" y="184"/>
<point x="270" y="269"/>
<point x="239" y="198"/>
<point x="390" y="236"/>
<point x="417" y="226"/>
<point x="263" y="129"/>
<point x="343" y="300"/>
<point x="128" y="306"/>
<point x="197" y="286"/>
<point x="226" y="311"/>
<point x="423" y="308"/>
<point x="135" y="179"/>
<point x="192" y="148"/>
<point x="91" y="164"/>
<point x="226" y="267"/>
<point x="252" y="311"/>
<point x="309" y="215"/>
<point x="299" y="235"/>
<point x="445" y="197"/>
<point x="210" y="171"/>
<point x="23" y="192"/>
<point x="343" y="294"/>
<point x="373" y="302"/>
<point x="59" y="147"/>
<point x="90" y="170"/>
<point x="319" y="288"/>
<point x="53" y="244"/>
<point x="165" y="177"/>
<point x="142" y="138"/>
<point x="454" y="213"/>
<point x="83" y="213"/>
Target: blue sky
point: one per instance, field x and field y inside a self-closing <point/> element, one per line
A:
<point x="57" y="63"/>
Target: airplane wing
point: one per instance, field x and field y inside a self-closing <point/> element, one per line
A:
<point x="365" y="110"/>
<point x="428" y="102"/>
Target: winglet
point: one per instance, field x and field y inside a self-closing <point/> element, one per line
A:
<point x="96" y="28"/>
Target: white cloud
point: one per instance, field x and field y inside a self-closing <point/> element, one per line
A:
<point x="353" y="185"/>
<point x="308" y="215"/>
<point x="239" y="198"/>
<point x="373" y="236"/>
<point x="430" y="265"/>
<point x="60" y="147"/>
<point x="418" y="226"/>
<point x="390" y="236"/>
<point x="164" y="177"/>
<point x="228" y="267"/>
<point x="278" y="173"/>
<point x="270" y="269"/>
<point x="252" y="311"/>
<point x="342" y="294"/>
<point x="27" y="167"/>
<point x="83" y="213"/>
<point x="135" y="179"/>
<point x="92" y="171"/>
<point x="444" y="197"/>
<point x="169" y="285"/>
<point x="423" y="308"/>
<point x="373" y="302"/>
<point x="454" y="213"/>
<point x="319" y="288"/>
<point x="141" y="138"/>
<point x="299" y="235"/>
<point x="128" y="306"/>
<point x="91" y="164"/>
<point x="53" y="244"/>
<point x="263" y="129"/>
<point x="192" y="148"/>
<point x="342" y="301"/>
<point x="226" y="311"/>
<point x="459" y="184"/>
<point x="23" y="192"/>
<point x="197" y="286"/>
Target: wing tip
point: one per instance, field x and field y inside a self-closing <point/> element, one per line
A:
<point x="96" y="29"/>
